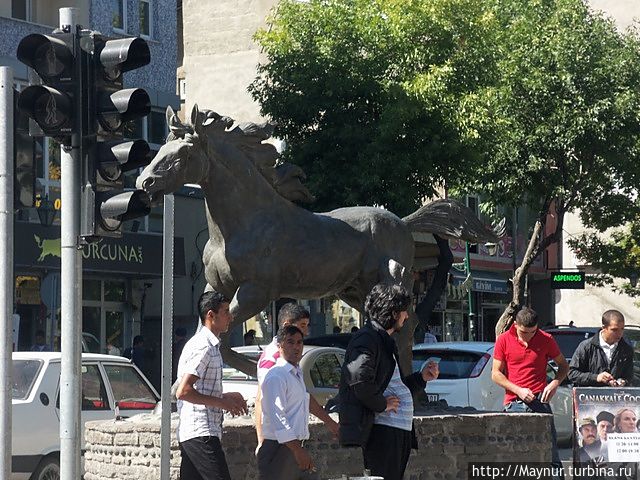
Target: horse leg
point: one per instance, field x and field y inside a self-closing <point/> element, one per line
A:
<point x="249" y="300"/>
<point x="393" y="272"/>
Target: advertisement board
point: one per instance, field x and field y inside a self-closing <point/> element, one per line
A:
<point x="607" y="430"/>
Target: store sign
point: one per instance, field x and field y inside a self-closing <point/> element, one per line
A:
<point x="134" y="253"/>
<point x="567" y="280"/>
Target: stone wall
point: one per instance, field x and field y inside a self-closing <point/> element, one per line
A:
<point x="130" y="450"/>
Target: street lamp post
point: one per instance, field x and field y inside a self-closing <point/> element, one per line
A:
<point x="467" y="267"/>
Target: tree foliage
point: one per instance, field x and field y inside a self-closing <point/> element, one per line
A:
<point x="532" y="102"/>
<point x="615" y="256"/>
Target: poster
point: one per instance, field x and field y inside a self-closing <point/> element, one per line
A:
<point x="607" y="427"/>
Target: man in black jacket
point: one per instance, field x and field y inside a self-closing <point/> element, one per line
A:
<point x="605" y="359"/>
<point x="376" y="404"/>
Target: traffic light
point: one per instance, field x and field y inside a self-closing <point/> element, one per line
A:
<point x="51" y="100"/>
<point x="110" y="107"/>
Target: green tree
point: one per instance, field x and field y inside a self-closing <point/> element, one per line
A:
<point x="615" y="255"/>
<point x="523" y="102"/>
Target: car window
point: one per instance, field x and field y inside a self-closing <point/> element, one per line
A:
<point x="23" y="376"/>
<point x="230" y="373"/>
<point x="129" y="388"/>
<point x="94" y="394"/>
<point x="454" y="364"/>
<point x="568" y="341"/>
<point x="325" y="372"/>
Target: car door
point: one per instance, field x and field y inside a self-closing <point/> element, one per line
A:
<point x="324" y="374"/>
<point x="129" y="389"/>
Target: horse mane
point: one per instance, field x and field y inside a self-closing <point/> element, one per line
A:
<point x="250" y="138"/>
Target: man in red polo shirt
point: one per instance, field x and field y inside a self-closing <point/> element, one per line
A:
<point x="520" y="367"/>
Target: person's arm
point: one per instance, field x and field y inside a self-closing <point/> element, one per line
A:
<point x="230" y="402"/>
<point x="551" y="388"/>
<point x="361" y="372"/>
<point x="303" y="459"/>
<point x="318" y="411"/>
<point x="579" y="373"/>
<point x="258" y="412"/>
<point x="498" y="376"/>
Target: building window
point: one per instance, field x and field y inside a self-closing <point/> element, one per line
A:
<point x="118" y="15"/>
<point x="21" y="9"/>
<point x="146" y="22"/>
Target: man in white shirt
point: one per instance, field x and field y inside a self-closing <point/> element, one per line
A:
<point x="200" y="397"/>
<point x="285" y="407"/>
<point x="290" y="314"/>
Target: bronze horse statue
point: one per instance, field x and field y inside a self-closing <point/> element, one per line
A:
<point x="262" y="246"/>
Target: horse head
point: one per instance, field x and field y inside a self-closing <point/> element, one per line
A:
<point x="182" y="160"/>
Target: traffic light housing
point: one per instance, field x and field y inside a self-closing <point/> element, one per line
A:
<point x="51" y="100"/>
<point x="110" y="106"/>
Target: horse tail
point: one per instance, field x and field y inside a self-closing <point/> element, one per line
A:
<point x="451" y="219"/>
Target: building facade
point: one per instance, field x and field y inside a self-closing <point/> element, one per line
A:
<point x="121" y="276"/>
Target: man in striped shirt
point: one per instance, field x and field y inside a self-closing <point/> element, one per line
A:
<point x="376" y="403"/>
<point x="297" y="315"/>
<point x="200" y="398"/>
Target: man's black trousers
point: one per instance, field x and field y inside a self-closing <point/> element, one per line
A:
<point x="203" y="459"/>
<point x="387" y="452"/>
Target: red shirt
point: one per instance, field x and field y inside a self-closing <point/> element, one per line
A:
<point x="526" y="366"/>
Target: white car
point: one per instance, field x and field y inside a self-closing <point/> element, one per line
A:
<point x="320" y="367"/>
<point x="36" y="411"/>
<point x="465" y="381"/>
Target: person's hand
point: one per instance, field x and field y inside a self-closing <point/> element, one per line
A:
<point x="234" y="403"/>
<point x="549" y="391"/>
<point x="604" y="377"/>
<point x="303" y="459"/>
<point x="621" y="382"/>
<point x="430" y="371"/>
<point x="525" y="395"/>
<point x="333" y="427"/>
<point x="393" y="403"/>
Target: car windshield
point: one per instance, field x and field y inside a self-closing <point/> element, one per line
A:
<point x="568" y="341"/>
<point x="230" y="373"/>
<point x="454" y="364"/>
<point x="23" y="376"/>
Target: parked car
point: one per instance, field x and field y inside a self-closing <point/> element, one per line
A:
<point x="465" y="380"/>
<point x="35" y="393"/>
<point x="569" y="337"/>
<point x="320" y="367"/>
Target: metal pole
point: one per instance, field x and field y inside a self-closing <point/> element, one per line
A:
<point x="467" y="265"/>
<point x="6" y="263"/>
<point x="167" y="330"/>
<point x="71" y="289"/>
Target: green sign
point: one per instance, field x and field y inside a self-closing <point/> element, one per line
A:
<point x="567" y="280"/>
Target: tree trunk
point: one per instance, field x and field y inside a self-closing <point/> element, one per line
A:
<point x="537" y="245"/>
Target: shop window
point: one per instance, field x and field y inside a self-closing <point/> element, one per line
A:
<point x="91" y="290"/>
<point x="114" y="291"/>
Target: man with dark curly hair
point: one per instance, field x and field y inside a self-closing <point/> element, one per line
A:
<point x="376" y="399"/>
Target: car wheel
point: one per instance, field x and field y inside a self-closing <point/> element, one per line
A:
<point x="49" y="469"/>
